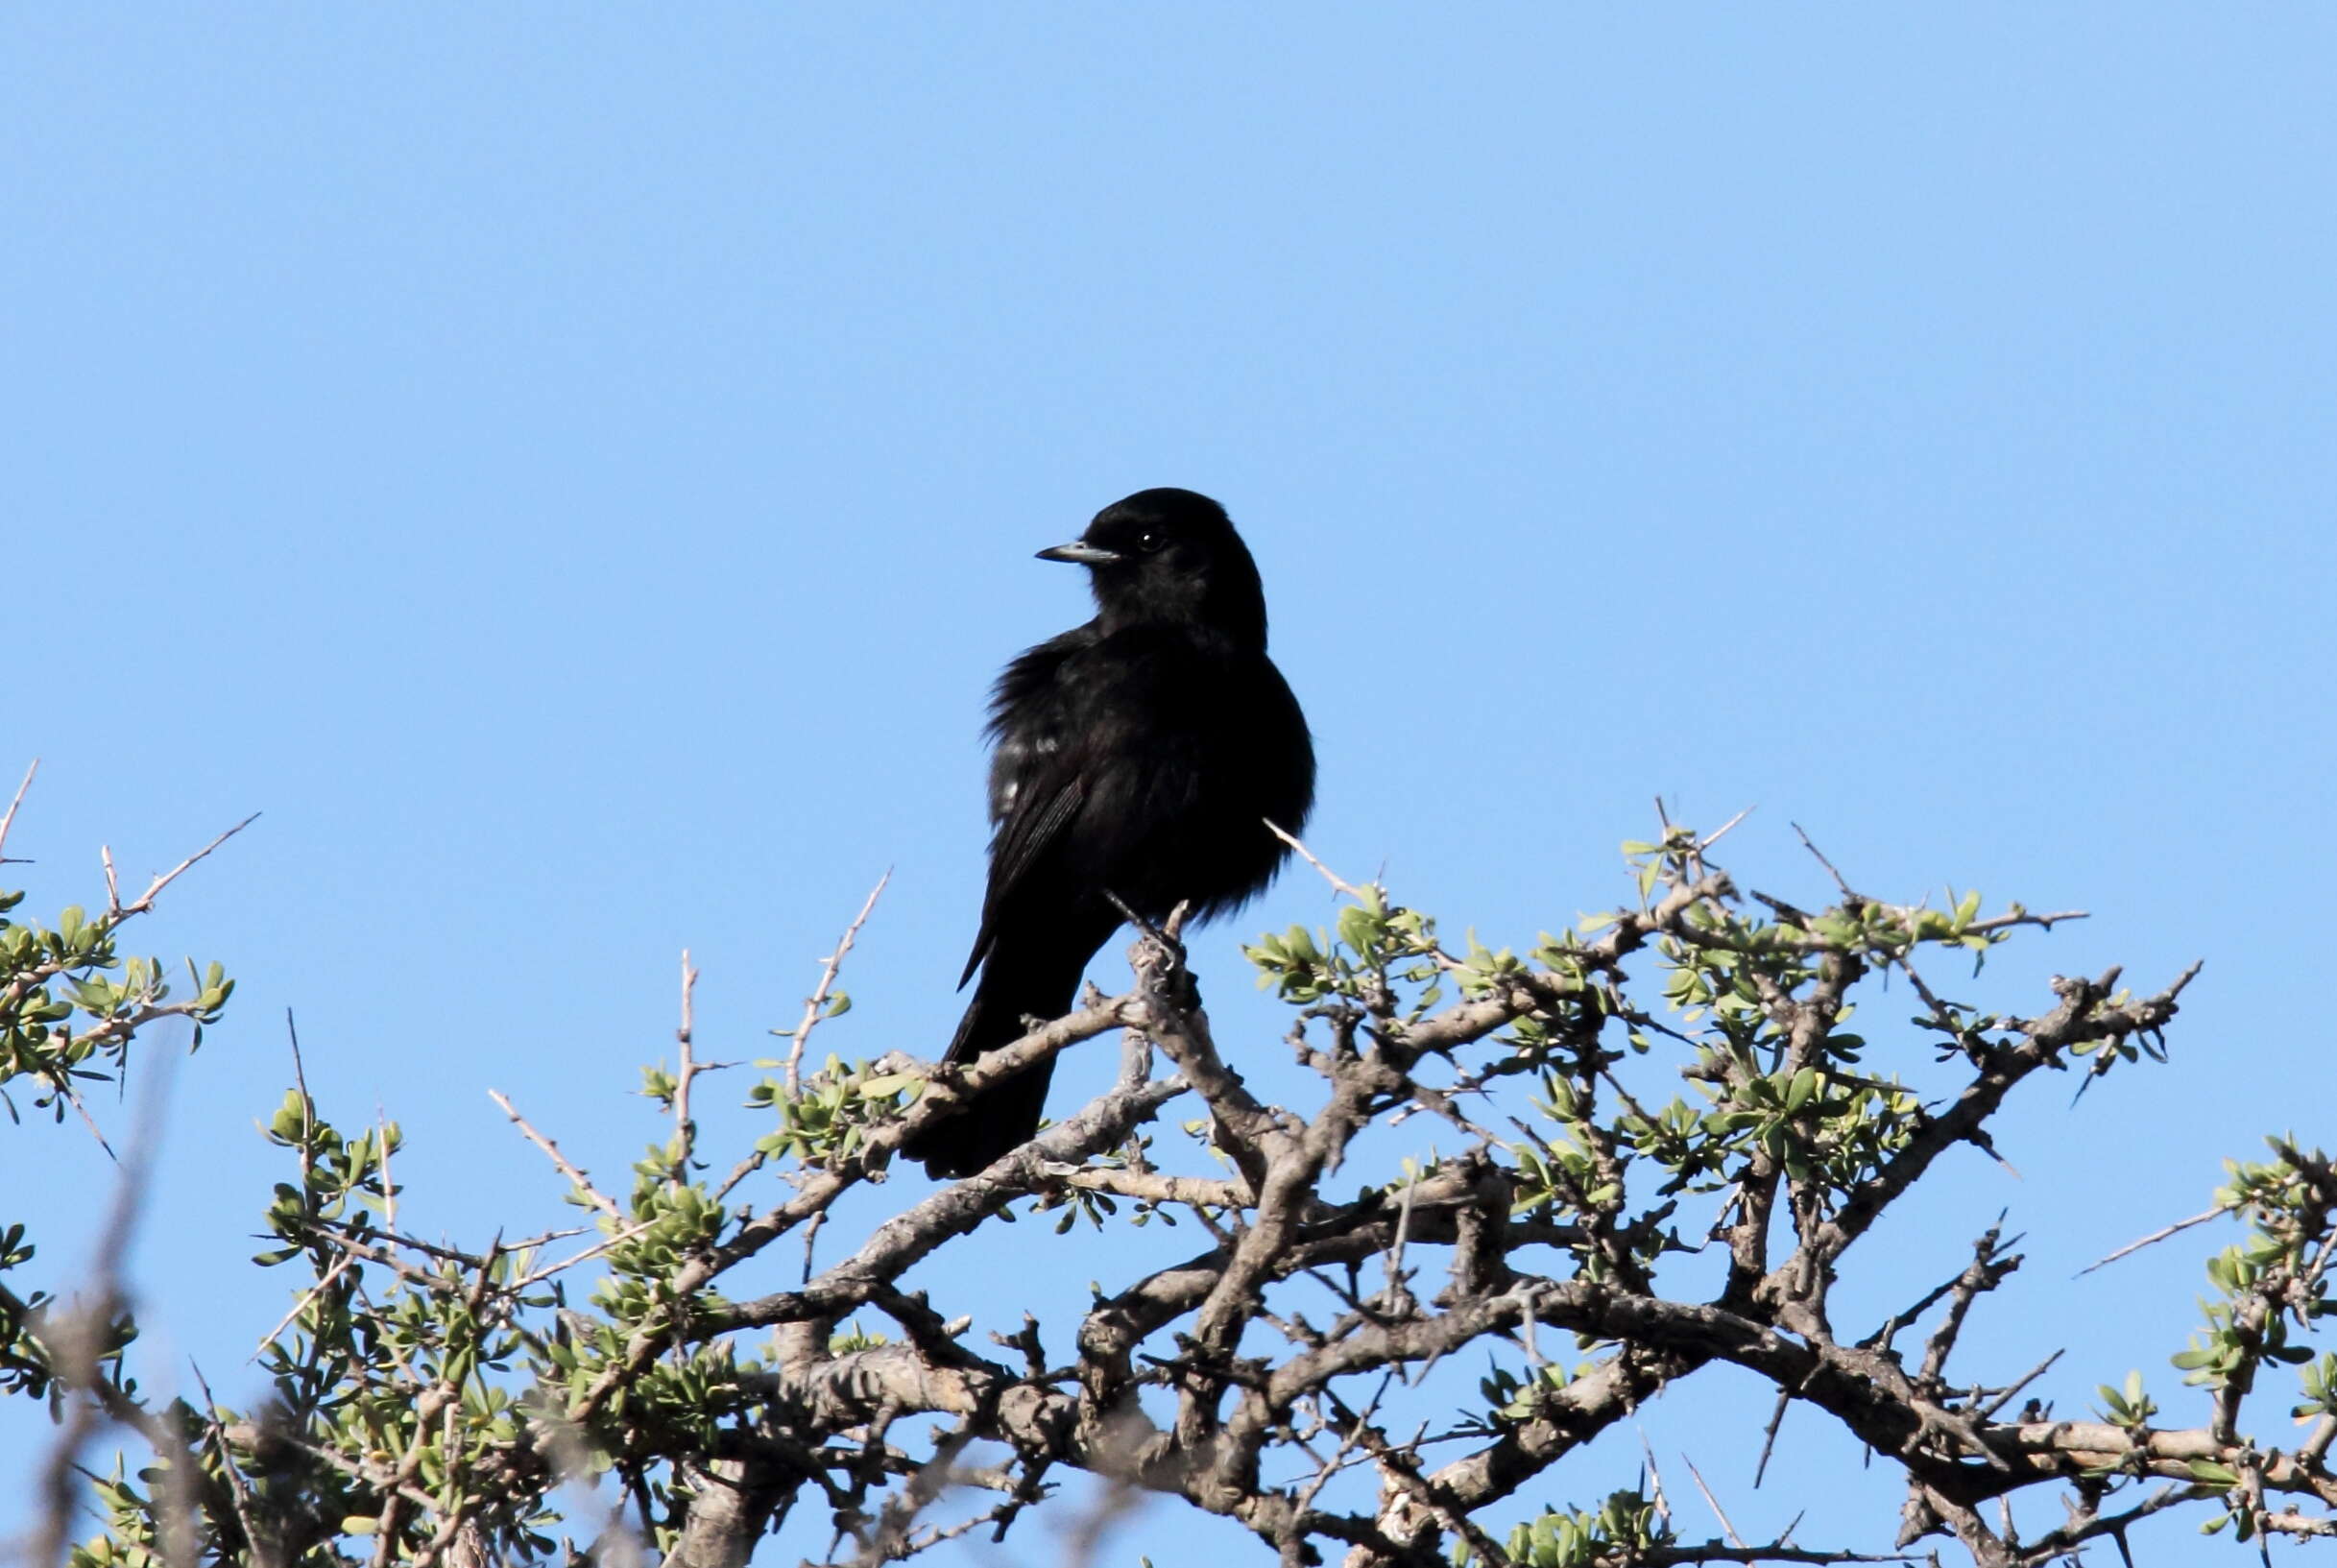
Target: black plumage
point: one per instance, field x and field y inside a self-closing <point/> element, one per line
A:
<point x="1138" y="757"/>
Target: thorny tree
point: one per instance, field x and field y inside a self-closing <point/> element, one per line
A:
<point x="1672" y="1078"/>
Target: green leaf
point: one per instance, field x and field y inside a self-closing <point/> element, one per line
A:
<point x="1797" y="1093"/>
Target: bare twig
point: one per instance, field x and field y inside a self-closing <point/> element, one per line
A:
<point x="685" y="1130"/>
<point x="1843" y="886"/>
<point x="1339" y="883"/>
<point x="1723" y="830"/>
<point x="341" y="1266"/>
<point x="146" y="901"/>
<point x="563" y="1265"/>
<point x="1769" y="1435"/>
<point x="2012" y="1390"/>
<point x="815" y="1006"/>
<point x="64" y="1086"/>
<point x="2156" y="1237"/>
<point x="239" y="1492"/>
<point x="576" y="1175"/>
<point x="389" y="1183"/>
<point x="1712" y="1502"/>
<point x="8" y="819"/>
<point x="1655" y="1474"/>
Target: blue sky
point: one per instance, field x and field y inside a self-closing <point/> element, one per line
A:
<point x="576" y="471"/>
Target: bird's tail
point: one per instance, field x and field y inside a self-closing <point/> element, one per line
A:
<point x="1005" y="1115"/>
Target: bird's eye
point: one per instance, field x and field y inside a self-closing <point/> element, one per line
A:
<point x="1150" y="539"/>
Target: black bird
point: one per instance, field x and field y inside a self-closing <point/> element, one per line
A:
<point x="1137" y="757"/>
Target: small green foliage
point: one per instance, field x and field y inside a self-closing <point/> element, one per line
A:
<point x="50" y="975"/>
<point x="2269" y="1284"/>
<point x="1510" y="1399"/>
<point x="72" y="1005"/>
<point x="1078" y="1203"/>
<point x="853" y="1336"/>
<point x="1558" y="1175"/>
<point x="660" y="1085"/>
<point x="2319" y="1381"/>
<point x="2108" y="1051"/>
<point x="1624" y="1526"/>
<point x="2129" y="1406"/>
<point x="2220" y="1476"/>
<point x="830" y="1115"/>
<point x="344" y="1182"/>
<point x="1383" y="957"/>
<point x="133" y="1537"/>
<point x="24" y="1363"/>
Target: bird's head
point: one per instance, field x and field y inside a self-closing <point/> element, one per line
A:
<point x="1169" y="556"/>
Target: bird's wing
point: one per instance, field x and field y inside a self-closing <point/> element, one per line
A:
<point x="1035" y="784"/>
<point x="1022" y="842"/>
<point x="1028" y="717"/>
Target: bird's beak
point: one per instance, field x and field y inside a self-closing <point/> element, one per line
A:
<point x="1080" y="553"/>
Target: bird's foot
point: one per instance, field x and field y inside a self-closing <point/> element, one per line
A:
<point x="1160" y="975"/>
<point x="1168" y="935"/>
<point x="1158" y="958"/>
